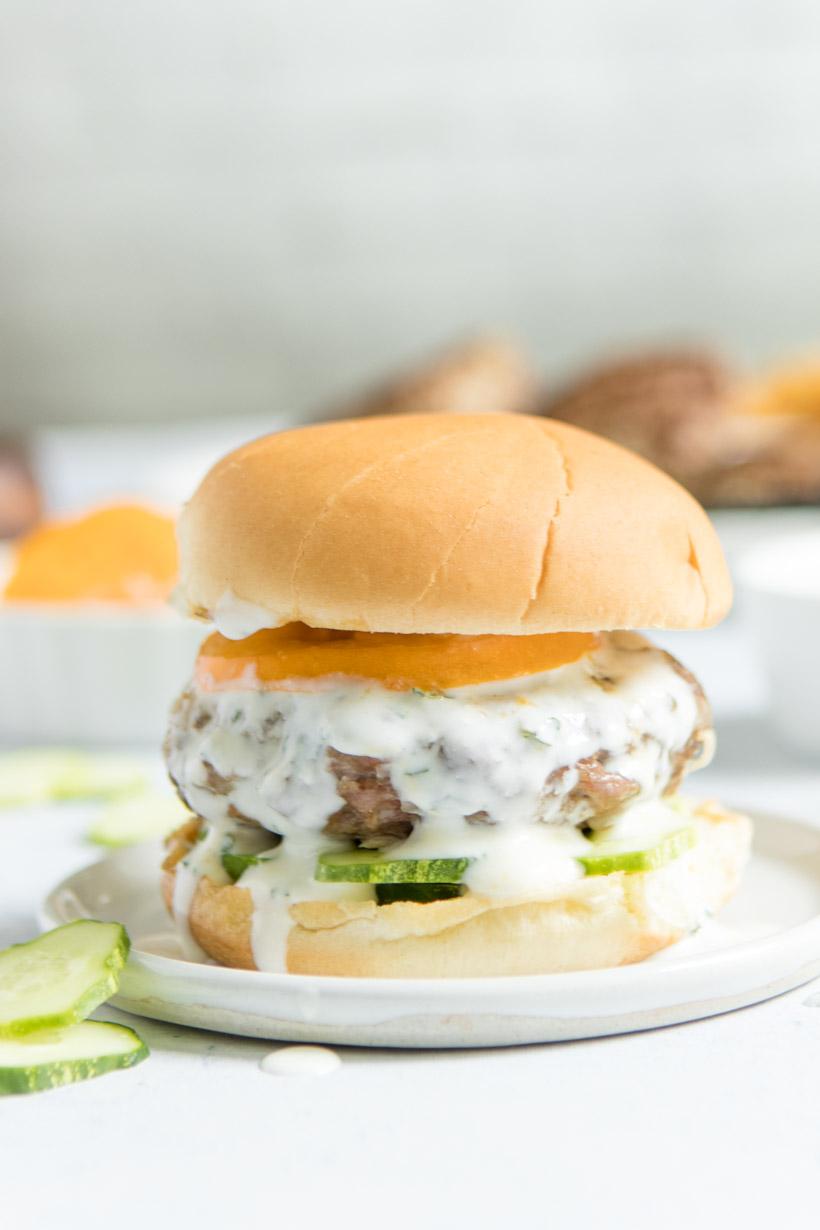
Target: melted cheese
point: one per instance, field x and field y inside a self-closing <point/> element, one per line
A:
<point x="296" y="657"/>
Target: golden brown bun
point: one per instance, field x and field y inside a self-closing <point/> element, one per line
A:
<point x="596" y="922"/>
<point x="476" y="524"/>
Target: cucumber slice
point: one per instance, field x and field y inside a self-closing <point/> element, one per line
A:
<point x="41" y="775"/>
<point x="235" y="864"/>
<point x="55" y="1057"/>
<point x="142" y="818"/>
<point x="32" y="775"/>
<point x="247" y="847"/>
<point x="365" y="867"/>
<point x="386" y="894"/>
<point x="60" y="978"/>
<point x="621" y="856"/>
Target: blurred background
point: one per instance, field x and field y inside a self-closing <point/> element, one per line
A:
<point x="244" y="209"/>
<point x="220" y="219"/>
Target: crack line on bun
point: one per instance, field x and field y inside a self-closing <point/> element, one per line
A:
<point x="551" y="525"/>
<point x="694" y="563"/>
<point x="562" y="456"/>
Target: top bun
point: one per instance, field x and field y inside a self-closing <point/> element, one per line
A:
<point x="504" y="524"/>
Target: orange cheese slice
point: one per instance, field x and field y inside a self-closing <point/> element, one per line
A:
<point x="296" y="658"/>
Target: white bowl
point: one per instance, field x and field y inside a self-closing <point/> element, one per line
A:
<point x="91" y="674"/>
<point x="780" y="586"/>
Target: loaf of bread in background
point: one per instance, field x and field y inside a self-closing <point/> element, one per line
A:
<point x="730" y="442"/>
<point x="478" y="376"/>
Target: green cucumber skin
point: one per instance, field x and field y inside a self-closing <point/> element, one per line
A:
<point x="235" y="864"/>
<point x="387" y="871"/>
<point x="53" y="1075"/>
<point x="96" y="994"/>
<point x="666" y="851"/>
<point x="420" y="894"/>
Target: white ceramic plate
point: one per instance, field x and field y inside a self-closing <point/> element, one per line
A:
<point x="767" y="941"/>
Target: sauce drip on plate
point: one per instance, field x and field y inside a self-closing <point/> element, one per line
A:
<point x="301" y="1061"/>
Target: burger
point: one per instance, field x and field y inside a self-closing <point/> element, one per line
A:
<point x="424" y="739"/>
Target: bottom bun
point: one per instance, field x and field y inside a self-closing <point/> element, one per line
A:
<point x="592" y="923"/>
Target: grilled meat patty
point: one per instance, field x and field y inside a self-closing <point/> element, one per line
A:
<point x="356" y="760"/>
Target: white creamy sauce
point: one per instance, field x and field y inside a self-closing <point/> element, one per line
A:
<point x="235" y="618"/>
<point x="506" y="750"/>
<point x="204" y="859"/>
<point x="505" y="861"/>
<point x="186" y="879"/>
<point x="301" y="1061"/>
<point x="276" y="884"/>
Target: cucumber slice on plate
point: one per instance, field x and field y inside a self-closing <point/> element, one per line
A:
<point x="606" y="857"/>
<point x="142" y="818"/>
<point x="366" y="867"/>
<point x="386" y="894"/>
<point x="53" y="1057"/>
<point x="60" y="978"/>
<point x="32" y="775"/>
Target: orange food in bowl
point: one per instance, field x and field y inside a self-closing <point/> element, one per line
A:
<point x="289" y="658"/>
<point x="123" y="553"/>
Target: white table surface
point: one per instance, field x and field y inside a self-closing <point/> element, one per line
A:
<point x="713" y="1123"/>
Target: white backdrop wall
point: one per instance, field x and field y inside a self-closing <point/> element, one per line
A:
<point x="215" y="208"/>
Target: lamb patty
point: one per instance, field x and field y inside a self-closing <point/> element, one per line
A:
<point x="373" y="812"/>
<point x="374" y="815"/>
<point x="359" y="761"/>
